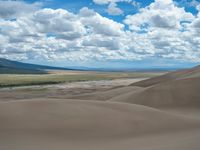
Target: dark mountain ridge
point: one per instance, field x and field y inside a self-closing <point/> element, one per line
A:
<point x="15" y="67"/>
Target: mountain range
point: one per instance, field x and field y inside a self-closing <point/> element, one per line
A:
<point x="15" y="67"/>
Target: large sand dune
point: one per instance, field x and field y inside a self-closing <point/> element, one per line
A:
<point x="177" y="93"/>
<point x="176" y="75"/>
<point x="81" y="121"/>
<point x="87" y="118"/>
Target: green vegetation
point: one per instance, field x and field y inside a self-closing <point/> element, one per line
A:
<point x="10" y="80"/>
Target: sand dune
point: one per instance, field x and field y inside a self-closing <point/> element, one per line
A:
<point x="86" y="118"/>
<point x="105" y="95"/>
<point x="178" y="93"/>
<point x="188" y="140"/>
<point x="83" y="121"/>
<point x="156" y="114"/>
<point x="176" y="75"/>
<point x="176" y="89"/>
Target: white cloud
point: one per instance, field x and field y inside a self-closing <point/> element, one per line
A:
<point x="187" y="3"/>
<point x="11" y="9"/>
<point x="161" y="13"/>
<point x="172" y="32"/>
<point x="112" y="5"/>
<point x="100" y="25"/>
<point x="156" y="31"/>
<point x="59" y="34"/>
<point x="114" y="10"/>
<point x="60" y="23"/>
<point x="85" y="12"/>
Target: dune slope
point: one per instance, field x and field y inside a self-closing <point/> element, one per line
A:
<point x="175" y="89"/>
<point x="73" y="124"/>
<point x="105" y="95"/>
<point x="176" y="75"/>
<point x="178" y="93"/>
<point x="86" y="118"/>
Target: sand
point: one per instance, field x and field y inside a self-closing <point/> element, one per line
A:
<point x="157" y="116"/>
<point x="66" y="121"/>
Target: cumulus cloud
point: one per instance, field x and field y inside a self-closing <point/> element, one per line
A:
<point x="97" y="24"/>
<point x="12" y="8"/>
<point x="59" y="34"/>
<point x="160" y="30"/>
<point x="113" y="9"/>
<point x="187" y="3"/>
<point x="161" y="13"/>
<point x="60" y="23"/>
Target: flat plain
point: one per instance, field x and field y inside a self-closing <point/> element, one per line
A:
<point x="55" y="77"/>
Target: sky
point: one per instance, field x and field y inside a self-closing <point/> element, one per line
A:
<point x="101" y="33"/>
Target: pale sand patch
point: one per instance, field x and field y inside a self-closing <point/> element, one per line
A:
<point x="66" y="90"/>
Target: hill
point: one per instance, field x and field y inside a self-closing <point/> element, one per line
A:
<point x="15" y="67"/>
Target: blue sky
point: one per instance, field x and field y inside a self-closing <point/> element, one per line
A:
<point x="101" y="33"/>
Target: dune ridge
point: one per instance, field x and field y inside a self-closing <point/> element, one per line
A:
<point x="176" y="75"/>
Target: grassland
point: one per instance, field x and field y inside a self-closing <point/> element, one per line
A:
<point x="10" y="80"/>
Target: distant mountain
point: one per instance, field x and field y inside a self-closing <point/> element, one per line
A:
<point x="123" y="69"/>
<point x="15" y="67"/>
